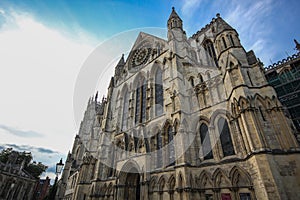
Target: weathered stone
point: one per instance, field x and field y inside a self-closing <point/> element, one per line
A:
<point x="215" y="138"/>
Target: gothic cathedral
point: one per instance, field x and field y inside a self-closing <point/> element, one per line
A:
<point x="185" y="118"/>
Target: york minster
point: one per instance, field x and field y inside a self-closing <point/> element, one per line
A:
<point x="187" y="117"/>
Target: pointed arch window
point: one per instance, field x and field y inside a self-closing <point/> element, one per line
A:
<point x="225" y="137"/>
<point x="200" y="78"/>
<point x="231" y="40"/>
<point x="171" y="148"/>
<point x="205" y="142"/>
<point x="125" y="110"/>
<point x="191" y="79"/>
<point x="210" y="50"/>
<point x="159" y="96"/>
<point x="224" y="42"/>
<point x="159" y="159"/>
<point x="140" y="104"/>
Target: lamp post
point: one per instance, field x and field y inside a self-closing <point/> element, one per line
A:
<point x="58" y="170"/>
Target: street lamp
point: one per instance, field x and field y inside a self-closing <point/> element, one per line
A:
<point x="58" y="169"/>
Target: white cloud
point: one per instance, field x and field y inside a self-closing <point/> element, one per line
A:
<point x="189" y="7"/>
<point x="46" y="156"/>
<point x="248" y="18"/>
<point x="38" y="69"/>
<point x="20" y="133"/>
<point x="2" y="12"/>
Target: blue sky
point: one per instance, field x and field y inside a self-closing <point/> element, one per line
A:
<point x="271" y="22"/>
<point x="44" y="44"/>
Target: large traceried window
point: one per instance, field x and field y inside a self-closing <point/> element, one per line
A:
<point x="125" y="110"/>
<point x="140" y="104"/>
<point x="210" y="50"/>
<point x="205" y="142"/>
<point x="225" y="137"/>
<point x="159" y="96"/>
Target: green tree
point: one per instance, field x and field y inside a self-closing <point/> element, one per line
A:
<point x="36" y="169"/>
<point x="5" y="154"/>
<point x="22" y="158"/>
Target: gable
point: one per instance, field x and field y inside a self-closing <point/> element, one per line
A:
<point x="145" y="49"/>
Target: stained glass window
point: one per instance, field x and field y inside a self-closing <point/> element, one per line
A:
<point x="205" y="142"/>
<point x="225" y="137"/>
<point x="159" y="96"/>
<point x="140" y="105"/>
<point x="137" y="105"/>
<point x="159" y="150"/>
<point x="143" y="106"/>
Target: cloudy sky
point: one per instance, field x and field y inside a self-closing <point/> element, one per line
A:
<point x="44" y="45"/>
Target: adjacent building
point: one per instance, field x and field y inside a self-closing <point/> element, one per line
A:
<point x="42" y="189"/>
<point x="185" y="118"/>
<point x="15" y="182"/>
<point x="284" y="76"/>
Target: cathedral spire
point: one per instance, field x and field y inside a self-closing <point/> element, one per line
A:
<point x="174" y="20"/>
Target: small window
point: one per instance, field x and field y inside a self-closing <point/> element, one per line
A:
<point x="200" y="78"/>
<point x="192" y="81"/>
<point x="224" y="43"/>
<point x="245" y="196"/>
<point x="231" y="40"/>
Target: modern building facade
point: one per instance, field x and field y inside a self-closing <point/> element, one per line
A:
<point x="284" y="76"/>
<point x="185" y="118"/>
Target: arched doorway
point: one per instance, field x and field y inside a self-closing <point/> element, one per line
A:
<point x="129" y="182"/>
<point x="132" y="186"/>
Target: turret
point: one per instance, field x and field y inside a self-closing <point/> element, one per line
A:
<point x="176" y="35"/>
<point x="174" y="21"/>
<point x="227" y="40"/>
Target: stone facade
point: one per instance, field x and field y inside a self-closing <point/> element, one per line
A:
<point x="15" y="182"/>
<point x="185" y="118"/>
